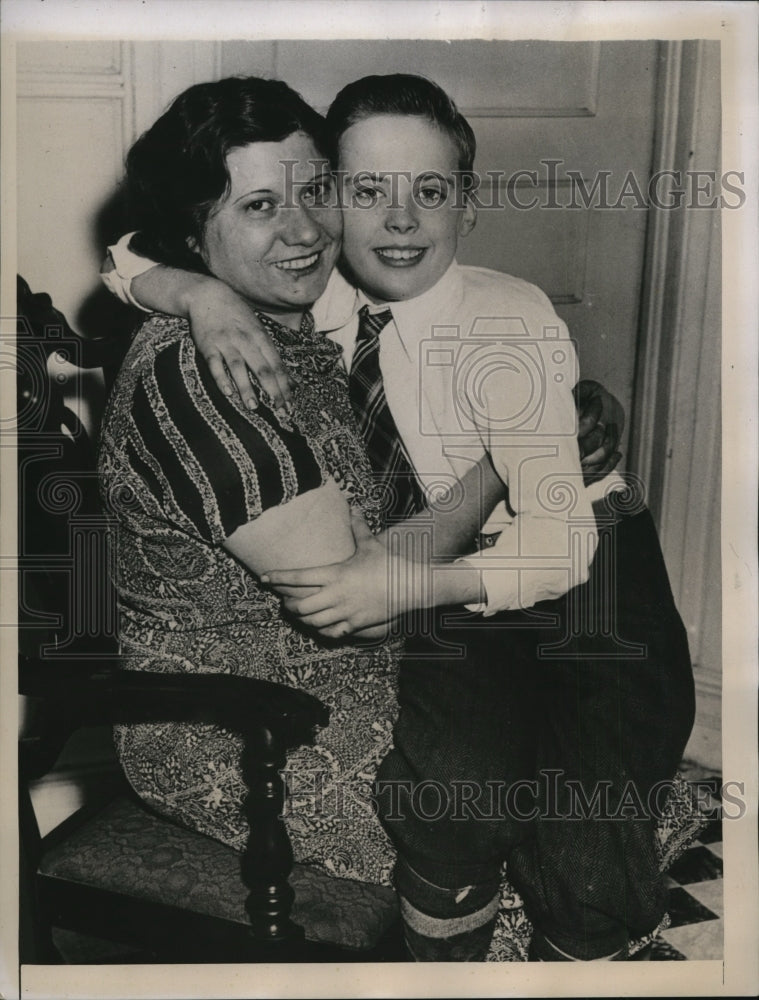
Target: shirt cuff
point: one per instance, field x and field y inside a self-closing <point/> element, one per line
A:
<point x="127" y="265"/>
<point x="500" y="586"/>
<point x="514" y="589"/>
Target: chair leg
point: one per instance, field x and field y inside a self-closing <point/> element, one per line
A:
<point x="35" y="938"/>
<point x="268" y="858"/>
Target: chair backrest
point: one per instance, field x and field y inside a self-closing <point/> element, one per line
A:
<point x="66" y="599"/>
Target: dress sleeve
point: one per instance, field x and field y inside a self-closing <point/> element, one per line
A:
<point x="211" y="464"/>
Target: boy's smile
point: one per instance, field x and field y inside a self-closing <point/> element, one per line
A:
<point x="403" y="210"/>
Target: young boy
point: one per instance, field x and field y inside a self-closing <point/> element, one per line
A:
<point x="475" y="361"/>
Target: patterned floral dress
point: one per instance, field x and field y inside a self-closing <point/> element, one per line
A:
<point x="181" y="467"/>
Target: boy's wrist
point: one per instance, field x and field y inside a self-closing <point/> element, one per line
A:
<point x="420" y="583"/>
<point x="195" y="291"/>
<point x="457" y="584"/>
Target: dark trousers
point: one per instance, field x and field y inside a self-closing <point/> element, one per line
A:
<point x="543" y="744"/>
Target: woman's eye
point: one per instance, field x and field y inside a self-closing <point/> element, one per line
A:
<point x="260" y="206"/>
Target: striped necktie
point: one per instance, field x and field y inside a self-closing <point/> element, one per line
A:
<point x="393" y="472"/>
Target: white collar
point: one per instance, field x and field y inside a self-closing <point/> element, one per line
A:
<point x="414" y="318"/>
<point x="337" y="304"/>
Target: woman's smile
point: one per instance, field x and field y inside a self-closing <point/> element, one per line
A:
<point x="299" y="265"/>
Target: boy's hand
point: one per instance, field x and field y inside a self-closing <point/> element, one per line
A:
<point x="352" y="596"/>
<point x="601" y="419"/>
<point x="232" y="340"/>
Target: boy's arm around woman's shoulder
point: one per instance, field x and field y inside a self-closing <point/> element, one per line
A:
<point x="223" y="324"/>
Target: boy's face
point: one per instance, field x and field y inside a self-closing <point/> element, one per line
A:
<point x="403" y="209"/>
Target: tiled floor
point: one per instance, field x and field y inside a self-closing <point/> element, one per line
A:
<point x="696" y="906"/>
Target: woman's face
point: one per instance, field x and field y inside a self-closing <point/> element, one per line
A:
<point x="275" y="236"/>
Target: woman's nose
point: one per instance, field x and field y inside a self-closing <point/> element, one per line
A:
<point x="300" y="229"/>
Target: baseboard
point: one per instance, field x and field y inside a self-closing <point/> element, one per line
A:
<point x="705" y="744"/>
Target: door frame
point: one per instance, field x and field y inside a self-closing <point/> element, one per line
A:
<point x="675" y="444"/>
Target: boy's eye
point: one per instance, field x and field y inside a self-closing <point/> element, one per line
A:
<point x="431" y="194"/>
<point x="365" y="197"/>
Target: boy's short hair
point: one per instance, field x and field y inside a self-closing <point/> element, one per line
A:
<point x="401" y="94"/>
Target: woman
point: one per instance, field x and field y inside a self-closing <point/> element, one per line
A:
<point x="207" y="494"/>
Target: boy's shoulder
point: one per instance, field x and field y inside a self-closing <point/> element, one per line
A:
<point x="491" y="303"/>
<point x="480" y="285"/>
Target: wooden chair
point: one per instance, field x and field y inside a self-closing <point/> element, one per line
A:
<point x="114" y="872"/>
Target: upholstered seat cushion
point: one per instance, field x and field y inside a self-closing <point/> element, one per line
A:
<point x="128" y="850"/>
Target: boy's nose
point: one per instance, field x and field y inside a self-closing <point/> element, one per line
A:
<point x="401" y="219"/>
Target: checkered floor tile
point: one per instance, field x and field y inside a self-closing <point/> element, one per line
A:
<point x="695" y="902"/>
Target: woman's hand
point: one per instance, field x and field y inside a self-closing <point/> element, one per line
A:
<point x="374" y="635"/>
<point x="352" y="596"/>
<point x="232" y="340"/>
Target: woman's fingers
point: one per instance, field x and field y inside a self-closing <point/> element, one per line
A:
<point x="318" y="576"/>
<point x="302" y="606"/>
<point x="603" y="449"/>
<point x="596" y="473"/>
<point x="338" y="631"/>
<point x="324" y="619"/>
<point x="297" y="592"/>
<point x="263" y="360"/>
<point x="274" y="377"/>
<point x="590" y="462"/>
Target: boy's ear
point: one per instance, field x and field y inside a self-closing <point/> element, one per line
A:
<point x="192" y="244"/>
<point x="468" y="219"/>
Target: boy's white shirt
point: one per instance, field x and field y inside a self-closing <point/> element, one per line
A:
<point x="471" y="317"/>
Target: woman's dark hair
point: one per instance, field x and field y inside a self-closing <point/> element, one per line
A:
<point x="401" y="94"/>
<point x="176" y="171"/>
